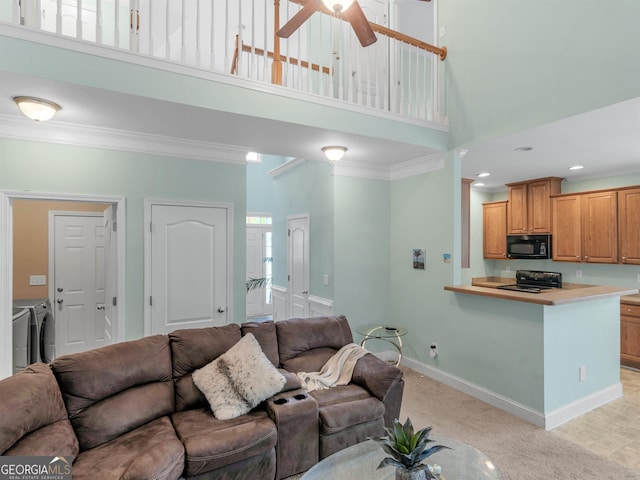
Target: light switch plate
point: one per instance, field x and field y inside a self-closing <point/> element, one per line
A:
<point x="37" y="279"/>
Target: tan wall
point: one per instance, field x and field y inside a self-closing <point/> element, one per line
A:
<point x="31" y="242"/>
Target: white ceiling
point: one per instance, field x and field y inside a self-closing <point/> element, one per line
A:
<point x="605" y="141"/>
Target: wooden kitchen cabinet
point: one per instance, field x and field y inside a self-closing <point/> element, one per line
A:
<point x="629" y="225"/>
<point x="585" y="227"/>
<point x="494" y="238"/>
<point x="629" y="334"/>
<point x="566" y="237"/>
<point x="529" y="209"/>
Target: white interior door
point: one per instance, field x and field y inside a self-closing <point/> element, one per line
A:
<point x="79" y="281"/>
<point x="189" y="269"/>
<point x="298" y="266"/>
<point x="110" y="277"/>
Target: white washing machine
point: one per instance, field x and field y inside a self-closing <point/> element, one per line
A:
<point x="42" y="332"/>
<point x="21" y="338"/>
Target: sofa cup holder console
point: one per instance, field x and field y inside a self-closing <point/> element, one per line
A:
<point x="296" y="415"/>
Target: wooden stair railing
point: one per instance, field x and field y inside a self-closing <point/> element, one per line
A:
<point x="260" y="52"/>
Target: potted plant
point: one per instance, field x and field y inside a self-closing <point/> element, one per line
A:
<point x="407" y="449"/>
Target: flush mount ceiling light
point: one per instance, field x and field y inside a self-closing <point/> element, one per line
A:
<point x="337" y="6"/>
<point x="576" y="167"/>
<point x="334" y="152"/>
<point x="524" y="149"/>
<point x="37" y="109"/>
<point x="483" y="174"/>
<point x="478" y="184"/>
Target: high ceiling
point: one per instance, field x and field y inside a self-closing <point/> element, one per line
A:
<point x="605" y="141"/>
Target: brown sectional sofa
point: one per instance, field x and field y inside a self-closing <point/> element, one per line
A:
<point x="131" y="410"/>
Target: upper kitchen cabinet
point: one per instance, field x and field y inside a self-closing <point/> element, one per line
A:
<point x="529" y="208"/>
<point x="585" y="227"/>
<point x="629" y="225"/>
<point x="494" y="241"/>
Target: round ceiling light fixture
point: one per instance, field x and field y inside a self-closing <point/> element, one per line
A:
<point x="334" y="152"/>
<point x="483" y="174"/>
<point x="576" y="167"/>
<point x="37" y="109"/>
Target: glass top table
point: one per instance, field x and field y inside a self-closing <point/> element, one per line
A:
<point x="387" y="333"/>
<point x="462" y="462"/>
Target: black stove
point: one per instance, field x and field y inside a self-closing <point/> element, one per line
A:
<point x="534" y="281"/>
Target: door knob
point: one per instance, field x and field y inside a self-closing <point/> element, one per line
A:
<point x="100" y="306"/>
<point x="304" y="292"/>
<point x="60" y="300"/>
<point x="221" y="309"/>
<point x="60" y="289"/>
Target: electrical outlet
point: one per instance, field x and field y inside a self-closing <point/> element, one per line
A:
<point x="638" y="278"/>
<point x="583" y="373"/>
<point x="325" y="279"/>
<point x="578" y="273"/>
<point x="507" y="269"/>
<point x="433" y="350"/>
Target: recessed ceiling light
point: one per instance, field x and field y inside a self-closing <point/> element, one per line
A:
<point x="576" y="167"/>
<point x="462" y="152"/>
<point x="478" y="184"/>
<point x="483" y="174"/>
<point x="524" y="149"/>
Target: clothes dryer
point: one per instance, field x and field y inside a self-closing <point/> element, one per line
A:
<point x="42" y="335"/>
<point x="21" y="338"/>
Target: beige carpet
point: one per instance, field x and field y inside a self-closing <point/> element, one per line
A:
<point x="520" y="450"/>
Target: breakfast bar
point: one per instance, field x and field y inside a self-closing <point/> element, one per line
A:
<point x="548" y="356"/>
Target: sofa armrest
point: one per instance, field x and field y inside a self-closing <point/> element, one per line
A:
<point x="376" y="375"/>
<point x="292" y="382"/>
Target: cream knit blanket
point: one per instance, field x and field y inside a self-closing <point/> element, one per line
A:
<point x="337" y="370"/>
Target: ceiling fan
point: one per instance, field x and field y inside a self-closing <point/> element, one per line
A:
<point x="350" y="10"/>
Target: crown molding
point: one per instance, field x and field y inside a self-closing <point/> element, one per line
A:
<point x="410" y="168"/>
<point x="424" y="164"/>
<point x="14" y="127"/>
<point x="286" y="166"/>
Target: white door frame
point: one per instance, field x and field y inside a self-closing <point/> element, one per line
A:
<point x="6" y="262"/>
<point x="148" y="203"/>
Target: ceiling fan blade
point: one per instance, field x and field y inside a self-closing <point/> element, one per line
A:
<point x="360" y="24"/>
<point x="299" y="18"/>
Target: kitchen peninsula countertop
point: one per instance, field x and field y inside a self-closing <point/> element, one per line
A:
<point x="569" y="293"/>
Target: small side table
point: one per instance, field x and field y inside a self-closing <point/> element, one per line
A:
<point x="387" y="333"/>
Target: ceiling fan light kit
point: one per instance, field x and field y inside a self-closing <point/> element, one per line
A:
<point x="348" y="10"/>
<point x="337" y="6"/>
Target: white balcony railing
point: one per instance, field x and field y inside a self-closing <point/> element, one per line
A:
<point x="236" y="37"/>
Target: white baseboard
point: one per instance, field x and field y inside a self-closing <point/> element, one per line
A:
<point x="548" y="421"/>
<point x="582" y="406"/>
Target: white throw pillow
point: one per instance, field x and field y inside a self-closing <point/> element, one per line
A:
<point x="239" y="379"/>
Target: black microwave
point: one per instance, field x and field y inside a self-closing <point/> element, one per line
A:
<point x="533" y="247"/>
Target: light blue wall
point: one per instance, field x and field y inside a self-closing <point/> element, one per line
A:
<point x="422" y="216"/>
<point x="260" y="184"/>
<point x="580" y="334"/>
<point x="51" y="168"/>
<point x="512" y="65"/>
<point x="361" y="251"/>
<point x="305" y="189"/>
